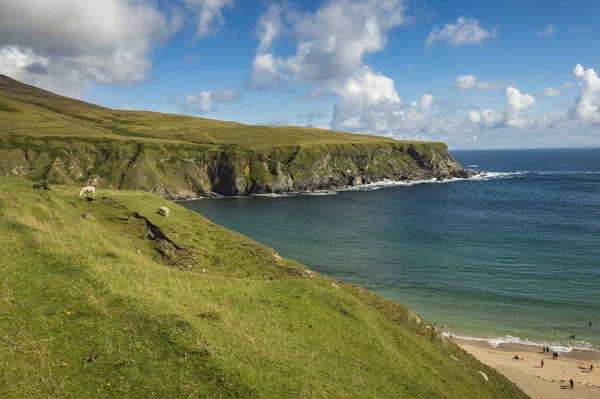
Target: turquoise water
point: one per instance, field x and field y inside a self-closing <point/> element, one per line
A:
<point x="513" y="257"/>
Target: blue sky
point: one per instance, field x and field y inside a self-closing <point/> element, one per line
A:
<point x="474" y="74"/>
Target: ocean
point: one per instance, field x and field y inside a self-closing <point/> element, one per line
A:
<point x="511" y="257"/>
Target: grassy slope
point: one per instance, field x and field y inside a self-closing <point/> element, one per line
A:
<point x="26" y="110"/>
<point x="251" y="325"/>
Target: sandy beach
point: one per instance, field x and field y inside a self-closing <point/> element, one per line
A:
<point x="551" y="381"/>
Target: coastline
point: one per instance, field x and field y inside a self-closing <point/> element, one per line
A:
<point x="476" y="176"/>
<point x="552" y="380"/>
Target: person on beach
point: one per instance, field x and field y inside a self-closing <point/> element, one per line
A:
<point x="571" y="383"/>
<point x="542" y="364"/>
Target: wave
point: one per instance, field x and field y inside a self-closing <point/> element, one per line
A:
<point x="472" y="166"/>
<point x="509" y="339"/>
<point x="294" y="194"/>
<point x="568" y="172"/>
<point x="478" y="176"/>
<point x="496" y="175"/>
<point x="392" y="183"/>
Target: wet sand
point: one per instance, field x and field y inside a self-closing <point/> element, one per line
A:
<point x="551" y="381"/>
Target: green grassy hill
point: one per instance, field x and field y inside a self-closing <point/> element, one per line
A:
<point x="44" y="136"/>
<point x="102" y="297"/>
<point x="29" y="110"/>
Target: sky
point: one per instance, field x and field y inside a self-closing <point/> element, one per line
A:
<point x="473" y="74"/>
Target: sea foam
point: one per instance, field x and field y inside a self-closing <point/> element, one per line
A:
<point x="495" y="342"/>
<point x="378" y="185"/>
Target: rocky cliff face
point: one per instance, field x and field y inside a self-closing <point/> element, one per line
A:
<point x="180" y="172"/>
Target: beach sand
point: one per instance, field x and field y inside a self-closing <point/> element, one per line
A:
<point x="551" y="381"/>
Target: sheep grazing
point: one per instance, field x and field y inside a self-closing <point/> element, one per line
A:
<point x="163" y="210"/>
<point x="88" y="189"/>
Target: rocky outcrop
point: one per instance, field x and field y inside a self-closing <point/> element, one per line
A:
<point x="181" y="172"/>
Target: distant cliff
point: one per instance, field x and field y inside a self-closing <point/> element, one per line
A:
<point x="187" y="171"/>
<point x="44" y="136"/>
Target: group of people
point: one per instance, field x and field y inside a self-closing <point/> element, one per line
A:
<point x="546" y="350"/>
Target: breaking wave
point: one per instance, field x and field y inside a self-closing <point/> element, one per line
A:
<point x="509" y="339"/>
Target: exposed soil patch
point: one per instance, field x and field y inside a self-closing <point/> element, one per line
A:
<point x="172" y="253"/>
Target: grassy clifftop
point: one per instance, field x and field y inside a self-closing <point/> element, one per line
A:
<point x="103" y="297"/>
<point x="28" y="110"/>
<point x="66" y="141"/>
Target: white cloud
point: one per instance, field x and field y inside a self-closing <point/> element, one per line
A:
<point x="568" y="85"/>
<point x="269" y="27"/>
<point x="516" y="102"/>
<point x="203" y="102"/>
<point x="551" y="92"/>
<point x="510" y="118"/>
<point x="485" y="119"/>
<point x="126" y="107"/>
<point x="208" y="15"/>
<point x="465" y="31"/>
<point x="580" y="28"/>
<point x="548" y="31"/>
<point x="466" y="82"/>
<point x="330" y="42"/>
<point x="66" y="46"/>
<point x="586" y="107"/>
<point x="362" y="99"/>
<point x="265" y="72"/>
<point x="426" y="100"/>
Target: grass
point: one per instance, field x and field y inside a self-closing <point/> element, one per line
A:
<point x="103" y="297"/>
<point x="36" y="112"/>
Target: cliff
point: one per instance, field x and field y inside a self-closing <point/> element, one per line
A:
<point x="44" y="136"/>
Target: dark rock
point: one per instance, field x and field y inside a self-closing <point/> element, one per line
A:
<point x="42" y="186"/>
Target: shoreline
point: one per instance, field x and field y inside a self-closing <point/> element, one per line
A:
<point x="563" y="347"/>
<point x="378" y="185"/>
<point x="550" y="381"/>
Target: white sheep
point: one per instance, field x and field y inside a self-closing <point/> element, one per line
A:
<point x="88" y="189"/>
<point x="163" y="210"/>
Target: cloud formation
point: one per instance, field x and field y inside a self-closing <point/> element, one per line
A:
<point x="204" y="102"/>
<point x="426" y="100"/>
<point x="466" y="31"/>
<point x="467" y="82"/>
<point x="586" y="107"/>
<point x="330" y="42"/>
<point x="208" y="15"/>
<point x="363" y="99"/>
<point x="510" y="117"/>
<point x="65" y="46"/>
<point x="551" y="92"/>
